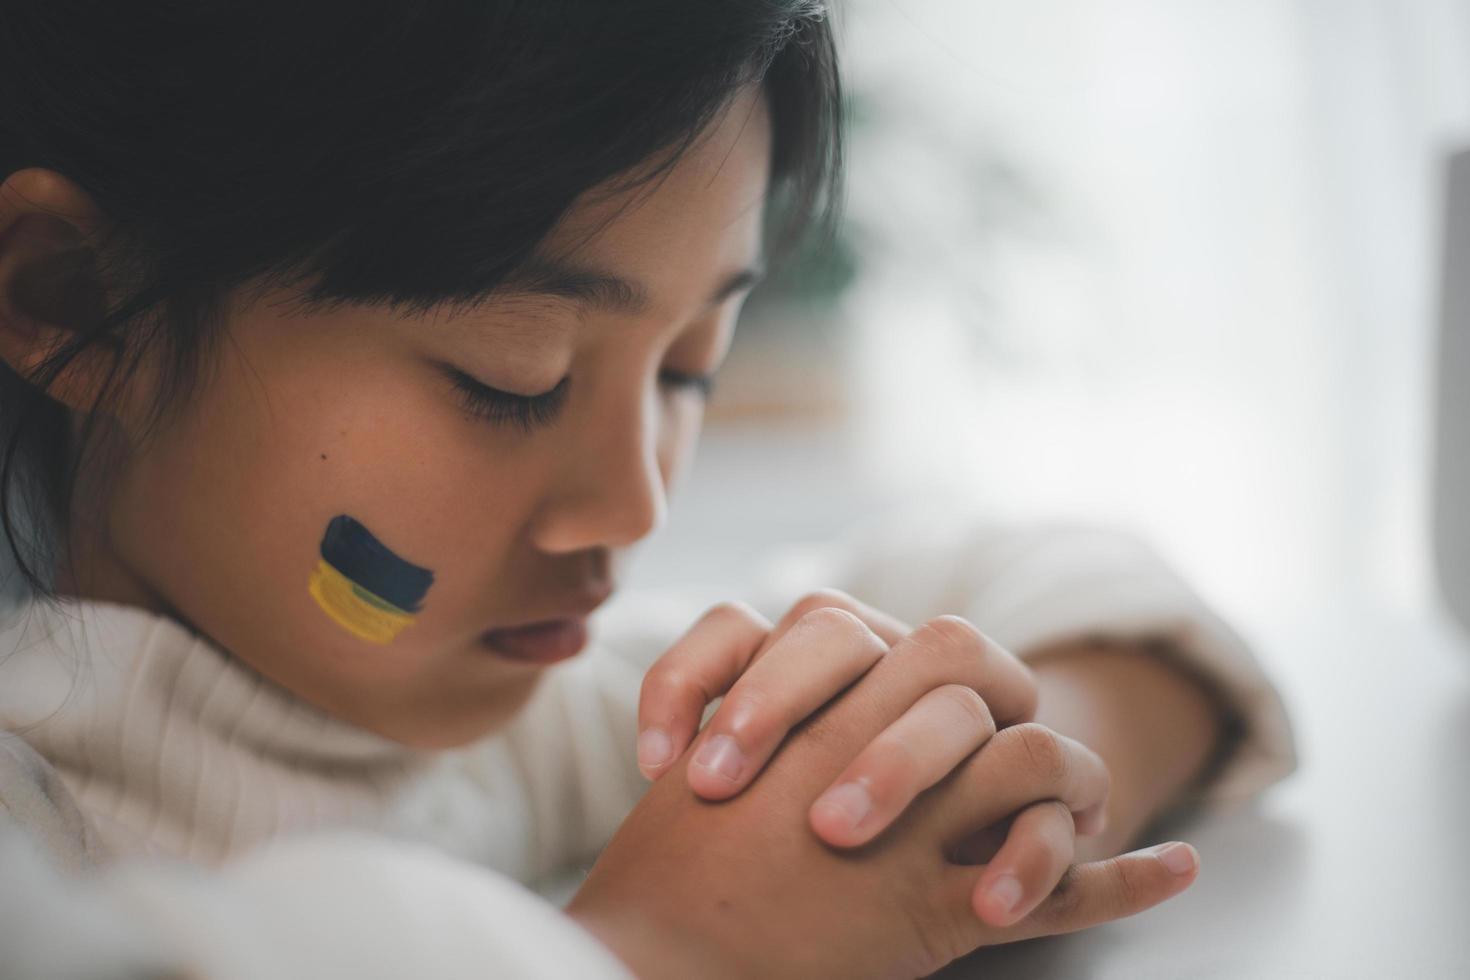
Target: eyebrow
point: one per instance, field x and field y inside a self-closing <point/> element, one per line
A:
<point x="598" y="289"/>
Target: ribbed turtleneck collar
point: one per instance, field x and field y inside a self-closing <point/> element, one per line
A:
<point x="172" y="746"/>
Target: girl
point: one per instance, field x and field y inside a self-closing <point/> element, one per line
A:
<point x="350" y="352"/>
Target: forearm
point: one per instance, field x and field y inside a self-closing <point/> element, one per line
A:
<point x="1154" y="725"/>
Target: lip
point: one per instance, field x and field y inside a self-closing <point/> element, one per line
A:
<point x="539" y="643"/>
<point x="579" y="608"/>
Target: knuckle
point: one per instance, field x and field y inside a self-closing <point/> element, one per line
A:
<point x="1121" y="887"/>
<point x="842" y="623"/>
<point x="893" y="767"/>
<point x="950" y="639"/>
<point x="1051" y="824"/>
<point x="828" y="617"/>
<point x="969" y="703"/>
<point x="748" y="714"/>
<point x="663" y="680"/>
<point x="822" y="599"/>
<point x="957" y="631"/>
<point x="734" y="611"/>
<point x="1044" y="750"/>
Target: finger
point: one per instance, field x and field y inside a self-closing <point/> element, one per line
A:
<point x="1039" y="848"/>
<point x="915" y="752"/>
<point x="943" y="650"/>
<point x="887" y="626"/>
<point x="1086" y="895"/>
<point x="1019" y="766"/>
<point x="709" y="658"/>
<point x="823" y="653"/>
<point x="699" y="667"/>
<point x="1092" y="821"/>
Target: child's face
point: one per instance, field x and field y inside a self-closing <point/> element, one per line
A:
<point x="220" y="518"/>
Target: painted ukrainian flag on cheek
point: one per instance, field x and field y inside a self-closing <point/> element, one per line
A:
<point x="366" y="589"/>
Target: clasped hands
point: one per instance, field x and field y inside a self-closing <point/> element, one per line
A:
<point x="973" y="695"/>
<point x="868" y="800"/>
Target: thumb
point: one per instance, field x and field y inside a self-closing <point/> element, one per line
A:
<point x="1086" y="895"/>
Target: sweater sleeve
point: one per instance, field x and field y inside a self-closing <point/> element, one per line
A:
<point x="341" y="904"/>
<point x="1029" y="586"/>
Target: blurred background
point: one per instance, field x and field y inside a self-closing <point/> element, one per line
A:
<point x="1172" y="265"/>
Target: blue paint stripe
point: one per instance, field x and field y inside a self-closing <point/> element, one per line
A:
<point x="353" y="550"/>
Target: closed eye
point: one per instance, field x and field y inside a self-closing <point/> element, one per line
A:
<point x="530" y="412"/>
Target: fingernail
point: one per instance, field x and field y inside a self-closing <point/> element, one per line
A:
<point x="654" y="748"/>
<point x="850" y="800"/>
<point x="721" y="756"/>
<point x="1178" y="857"/>
<point x="1004" y="892"/>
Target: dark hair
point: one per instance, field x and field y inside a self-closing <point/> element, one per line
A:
<point x="407" y="154"/>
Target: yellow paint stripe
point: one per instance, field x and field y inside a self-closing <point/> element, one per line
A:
<point x="333" y="591"/>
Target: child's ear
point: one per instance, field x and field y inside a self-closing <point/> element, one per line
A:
<point x="50" y="290"/>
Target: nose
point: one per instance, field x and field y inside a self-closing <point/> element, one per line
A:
<point x="609" y="490"/>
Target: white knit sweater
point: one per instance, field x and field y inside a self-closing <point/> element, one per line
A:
<point x="164" y="807"/>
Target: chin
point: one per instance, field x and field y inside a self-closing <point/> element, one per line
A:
<point x="452" y="726"/>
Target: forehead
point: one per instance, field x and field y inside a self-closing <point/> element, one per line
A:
<point x="683" y="230"/>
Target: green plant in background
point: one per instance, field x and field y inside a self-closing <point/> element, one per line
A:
<point x="941" y="206"/>
<point x="814" y="276"/>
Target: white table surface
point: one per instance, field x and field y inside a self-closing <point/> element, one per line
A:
<point x="1358" y="865"/>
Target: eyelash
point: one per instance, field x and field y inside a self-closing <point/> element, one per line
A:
<point x="532" y="411"/>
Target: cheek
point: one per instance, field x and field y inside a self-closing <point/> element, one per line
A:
<point x="227" y="515"/>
